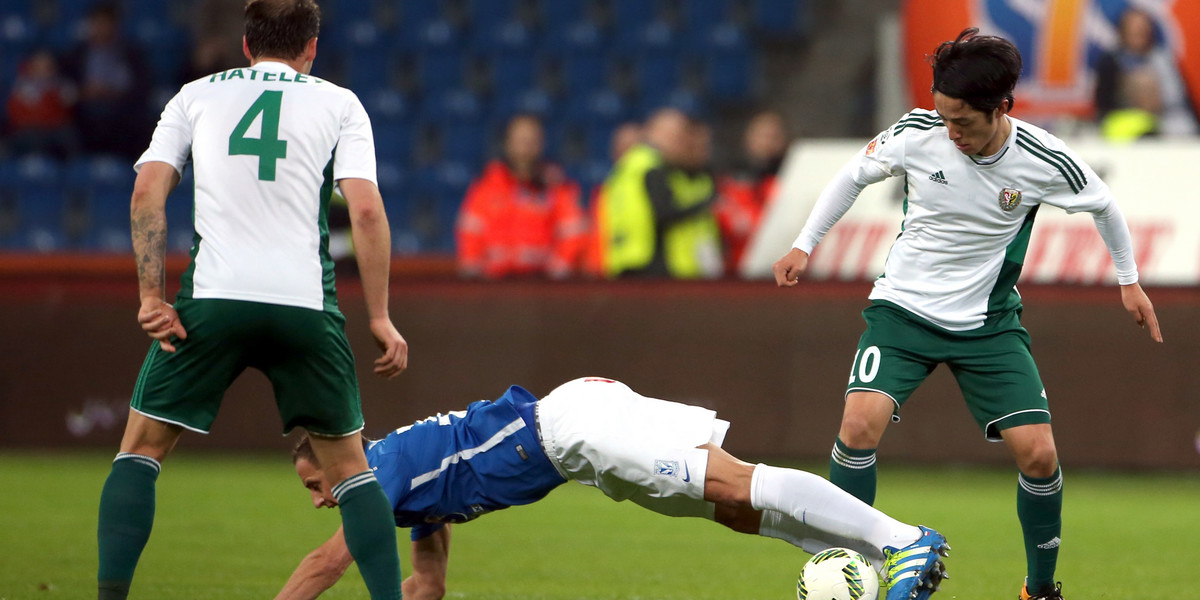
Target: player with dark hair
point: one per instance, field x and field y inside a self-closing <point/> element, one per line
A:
<point x="975" y="178"/>
<point x="662" y="455"/>
<point x="260" y="289"/>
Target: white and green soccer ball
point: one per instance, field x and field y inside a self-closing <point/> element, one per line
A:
<point x="837" y="574"/>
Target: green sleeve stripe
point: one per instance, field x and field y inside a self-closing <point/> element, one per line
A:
<point x="1060" y="159"/>
<point x="1042" y="154"/>
<point x="920" y="120"/>
<point x="1062" y="155"/>
<point x="921" y="126"/>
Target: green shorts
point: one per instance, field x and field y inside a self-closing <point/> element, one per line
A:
<point x="303" y="352"/>
<point x="993" y="365"/>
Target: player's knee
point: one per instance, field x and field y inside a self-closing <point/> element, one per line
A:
<point x="738" y="518"/>
<point x="1040" y="459"/>
<point x="859" y="431"/>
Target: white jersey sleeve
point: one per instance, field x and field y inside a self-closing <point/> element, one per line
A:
<point x="881" y="158"/>
<point x="172" y="140"/>
<point x="355" y="153"/>
<point x="1077" y="188"/>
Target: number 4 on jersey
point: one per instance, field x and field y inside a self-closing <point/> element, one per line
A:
<point x="267" y="147"/>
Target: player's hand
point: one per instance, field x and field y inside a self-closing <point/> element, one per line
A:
<point x="788" y="269"/>
<point x="1138" y="305"/>
<point x="160" y="321"/>
<point x="395" y="350"/>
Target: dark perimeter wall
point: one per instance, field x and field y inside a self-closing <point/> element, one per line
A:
<point x="774" y="362"/>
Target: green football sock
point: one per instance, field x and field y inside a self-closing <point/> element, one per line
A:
<point x="853" y="470"/>
<point x="126" y="516"/>
<point x="370" y="531"/>
<point x="1039" y="508"/>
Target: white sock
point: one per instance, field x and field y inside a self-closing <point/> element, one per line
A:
<point x="813" y="511"/>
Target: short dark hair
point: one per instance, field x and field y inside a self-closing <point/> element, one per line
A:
<point x="981" y="70"/>
<point x="304" y="450"/>
<point x="281" y="28"/>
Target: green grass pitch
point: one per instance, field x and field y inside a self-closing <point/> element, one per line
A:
<point x="232" y="527"/>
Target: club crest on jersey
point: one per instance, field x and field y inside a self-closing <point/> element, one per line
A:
<point x="1010" y="199"/>
<point x="668" y="468"/>
<point x="871" y="147"/>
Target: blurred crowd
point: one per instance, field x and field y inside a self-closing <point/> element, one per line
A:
<point x="664" y="210"/>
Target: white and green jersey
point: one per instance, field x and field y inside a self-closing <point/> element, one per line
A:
<point x="266" y="145"/>
<point x="967" y="224"/>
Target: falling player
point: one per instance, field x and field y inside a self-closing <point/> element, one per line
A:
<point x="662" y="455"/>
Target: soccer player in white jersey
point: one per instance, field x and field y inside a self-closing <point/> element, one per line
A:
<point x="267" y="143"/>
<point x="661" y="455"/>
<point x="975" y="178"/>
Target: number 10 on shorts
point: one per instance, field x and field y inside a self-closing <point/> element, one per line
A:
<point x="868" y="367"/>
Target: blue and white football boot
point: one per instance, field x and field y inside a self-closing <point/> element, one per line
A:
<point x="915" y="571"/>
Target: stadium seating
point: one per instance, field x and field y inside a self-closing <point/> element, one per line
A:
<point x="439" y="79"/>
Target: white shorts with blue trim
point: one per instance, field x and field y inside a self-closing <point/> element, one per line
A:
<point x="603" y="434"/>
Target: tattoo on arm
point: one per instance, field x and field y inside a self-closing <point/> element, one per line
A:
<point x="149" y="248"/>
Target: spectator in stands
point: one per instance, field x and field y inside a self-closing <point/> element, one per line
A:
<point x="658" y="220"/>
<point x="217" y="29"/>
<point x="744" y="192"/>
<point x="39" y="109"/>
<point x="114" y="86"/>
<point x="522" y="217"/>
<point x="624" y="137"/>
<point x="1137" y="62"/>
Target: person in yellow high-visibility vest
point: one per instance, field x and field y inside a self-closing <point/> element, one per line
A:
<point x="657" y="221"/>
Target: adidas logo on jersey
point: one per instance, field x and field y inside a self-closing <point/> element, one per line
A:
<point x="939" y="177"/>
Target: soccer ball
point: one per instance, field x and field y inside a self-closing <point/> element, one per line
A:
<point x="837" y="574"/>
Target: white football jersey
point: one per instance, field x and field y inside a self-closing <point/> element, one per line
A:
<point x="967" y="225"/>
<point x="267" y="144"/>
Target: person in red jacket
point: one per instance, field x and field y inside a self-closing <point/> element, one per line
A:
<point x="522" y="216"/>
<point x="745" y="191"/>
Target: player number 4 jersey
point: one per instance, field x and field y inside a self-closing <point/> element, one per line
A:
<point x="967" y="225"/>
<point x="267" y="144"/>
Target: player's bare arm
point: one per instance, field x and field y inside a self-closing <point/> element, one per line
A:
<point x="319" y="570"/>
<point x="373" y="250"/>
<point x="148" y="225"/>
<point x="430" y="555"/>
<point x="1138" y="304"/>
<point x="788" y="269"/>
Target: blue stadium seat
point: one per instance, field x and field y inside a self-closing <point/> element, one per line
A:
<point x="577" y="37"/>
<point x="452" y="105"/>
<point x="559" y="14"/>
<point x="596" y="106"/>
<point x="731" y="73"/>
<point x="512" y="73"/>
<point x="704" y="14"/>
<point x="656" y="74"/>
<point x="647" y="37"/>
<point x="180" y="206"/>
<point x="533" y="101"/>
<point x="96" y="203"/>
<point x="464" y="142"/>
<point x="393" y="141"/>
<point x="439" y="34"/>
<point x="40" y="204"/>
<point x="510" y="35"/>
<point x="368" y="68"/>
<point x="488" y="12"/>
<point x="584" y="72"/>
<point x="779" y="17"/>
<point x="626" y="12"/>
<point x="685" y="100"/>
<point x="387" y="106"/>
<point x="440" y="70"/>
